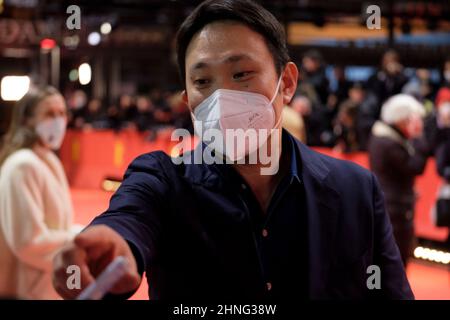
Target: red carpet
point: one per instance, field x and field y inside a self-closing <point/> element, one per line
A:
<point x="428" y="281"/>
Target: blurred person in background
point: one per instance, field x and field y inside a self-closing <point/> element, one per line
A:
<point x="440" y="138"/>
<point x="442" y="141"/>
<point x="313" y="67"/>
<point x="422" y="88"/>
<point x="445" y="77"/>
<point x="339" y="90"/>
<point x="302" y="107"/>
<point x="144" y="117"/>
<point x="355" y="118"/>
<point x="389" y="79"/>
<point x="94" y="117"/>
<point x="123" y="115"/>
<point x="397" y="154"/>
<point x="293" y="123"/>
<point x="345" y="127"/>
<point x="307" y="103"/>
<point x="35" y="204"/>
<point x="314" y="114"/>
<point x="76" y="102"/>
<point x="163" y="111"/>
<point x="368" y="112"/>
<point x="443" y="95"/>
<point x="181" y="114"/>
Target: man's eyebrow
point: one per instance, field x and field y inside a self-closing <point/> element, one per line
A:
<point x="231" y="59"/>
<point x="237" y="58"/>
<point x="199" y="65"/>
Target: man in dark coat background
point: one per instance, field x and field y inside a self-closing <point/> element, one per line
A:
<point x="397" y="154"/>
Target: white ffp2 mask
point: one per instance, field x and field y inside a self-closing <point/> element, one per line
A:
<point x="52" y="131"/>
<point x="234" y="111"/>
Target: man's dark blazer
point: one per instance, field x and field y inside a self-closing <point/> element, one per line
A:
<point x="347" y="229"/>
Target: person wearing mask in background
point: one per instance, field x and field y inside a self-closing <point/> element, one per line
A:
<point x="35" y="204"/>
<point x="397" y="154"/>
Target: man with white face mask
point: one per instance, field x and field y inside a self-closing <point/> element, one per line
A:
<point x="215" y="231"/>
<point x="244" y="116"/>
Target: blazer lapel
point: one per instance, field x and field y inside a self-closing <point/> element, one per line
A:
<point x="322" y="203"/>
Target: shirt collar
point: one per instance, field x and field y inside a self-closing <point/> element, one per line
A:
<point x="288" y="144"/>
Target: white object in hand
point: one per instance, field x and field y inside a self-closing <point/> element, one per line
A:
<point x="105" y="281"/>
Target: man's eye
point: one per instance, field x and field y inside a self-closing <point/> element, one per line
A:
<point x="201" y="82"/>
<point x="241" y="75"/>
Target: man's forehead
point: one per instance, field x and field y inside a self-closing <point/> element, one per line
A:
<point x="218" y="39"/>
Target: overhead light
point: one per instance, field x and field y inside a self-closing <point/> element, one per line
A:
<point x="94" y="38"/>
<point x="73" y="75"/>
<point x="48" y="44"/>
<point x="13" y="88"/>
<point x="105" y="28"/>
<point x="84" y="73"/>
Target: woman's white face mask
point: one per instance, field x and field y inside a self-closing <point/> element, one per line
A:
<point x="244" y="119"/>
<point x="52" y="131"/>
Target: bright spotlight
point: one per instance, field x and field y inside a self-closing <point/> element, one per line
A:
<point x="13" y="88"/>
<point x="94" y="38"/>
<point x="105" y="28"/>
<point x="84" y="73"/>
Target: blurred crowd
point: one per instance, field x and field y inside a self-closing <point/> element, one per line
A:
<point x="400" y="121"/>
<point x="342" y="116"/>
<point x="335" y="111"/>
<point x="327" y="110"/>
<point x="143" y="112"/>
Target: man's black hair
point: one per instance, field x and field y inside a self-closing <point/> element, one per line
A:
<point x="247" y="12"/>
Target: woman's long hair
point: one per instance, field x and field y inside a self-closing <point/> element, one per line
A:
<point x="20" y="135"/>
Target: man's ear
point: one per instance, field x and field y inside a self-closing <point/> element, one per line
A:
<point x="290" y="78"/>
<point x="184" y="97"/>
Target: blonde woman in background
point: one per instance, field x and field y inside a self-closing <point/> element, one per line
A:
<point x="35" y="205"/>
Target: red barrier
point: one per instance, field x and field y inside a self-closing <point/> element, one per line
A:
<point x="91" y="156"/>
